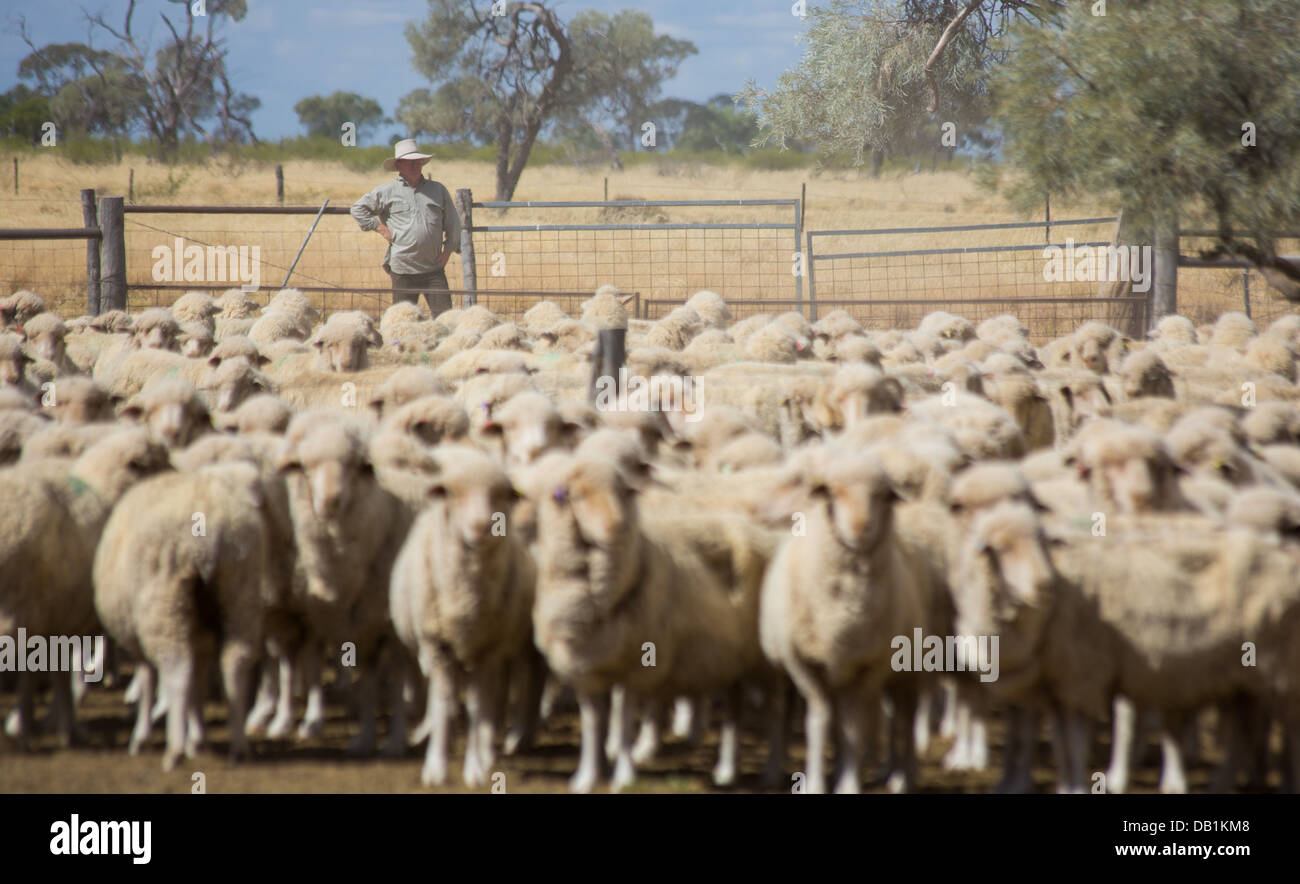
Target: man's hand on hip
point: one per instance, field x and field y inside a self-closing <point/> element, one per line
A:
<point x="384" y="231"/>
<point x="444" y="258"/>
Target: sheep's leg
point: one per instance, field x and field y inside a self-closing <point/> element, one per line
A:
<point x="313" y="722"/>
<point x="948" y="720"/>
<point x="1022" y="740"/>
<point x="778" y="729"/>
<point x="395" y="742"/>
<point x="594" y="712"/>
<point x="1173" y="778"/>
<point x="551" y="690"/>
<point x="1123" y="743"/>
<point x="282" y="724"/>
<point x="921" y="723"/>
<point x="441" y="706"/>
<point x="817" y="725"/>
<point x="614" y="737"/>
<point x="481" y="701"/>
<point x="196" y="736"/>
<point x="648" y="739"/>
<point x="683" y="717"/>
<point x="624" y="766"/>
<point x="142" y="684"/>
<point x="176" y="679"/>
<point x="367" y="701"/>
<point x="18" y="723"/>
<point x="528" y="674"/>
<point x="903" y="777"/>
<point x="236" y="666"/>
<point x="268" y="696"/>
<point x="848" y="713"/>
<point x="724" y="773"/>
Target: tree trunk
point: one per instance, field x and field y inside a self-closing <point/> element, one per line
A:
<point x="1164" y="290"/>
<point x="877" y="160"/>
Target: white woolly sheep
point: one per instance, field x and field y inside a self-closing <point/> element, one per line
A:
<point x="171" y="410"/>
<point x="195" y="340"/>
<point x="166" y="593"/>
<point x="19" y="307"/>
<point x="232" y="382"/>
<point x="405" y="385"/>
<point x="235" y="304"/>
<point x="711" y="309"/>
<point x="262" y="413"/>
<point x="1232" y="329"/>
<point x="276" y="325"/>
<point x="45" y="337"/>
<point x="604" y="310"/>
<point x="461" y="596"/>
<point x="343" y="346"/>
<point x="541" y="316"/>
<point x="430" y="419"/>
<point x="196" y="307"/>
<point x="236" y="345"/>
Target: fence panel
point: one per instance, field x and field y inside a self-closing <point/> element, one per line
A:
<point x="1206" y="292"/>
<point x="662" y="248"/>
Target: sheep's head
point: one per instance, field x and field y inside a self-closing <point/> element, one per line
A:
<point x="234" y="381"/>
<point x="987" y="484"/>
<point x="1092" y="343"/>
<point x="341" y="347"/>
<point x="171" y="410"/>
<point x="431" y="419"/>
<point x="856" y="391"/>
<point x="1145" y="374"/>
<point x="45" y="335"/>
<point x="1084" y="398"/>
<point x="1198" y="445"/>
<point x="263" y="413"/>
<point x="155" y="328"/>
<point x="20" y="307"/>
<point x="589" y="499"/>
<point x="195" y="307"/>
<point x="195" y="340"/>
<point x="236" y="345"/>
<point x="13" y="361"/>
<point x="851" y="490"/>
<point x="475" y="492"/>
<point x="405" y="385"/>
<point x="1127" y="468"/>
<point x="79" y="400"/>
<point x="119" y="460"/>
<point x="526" y="426"/>
<point x="1006" y="576"/>
<point x="330" y="459"/>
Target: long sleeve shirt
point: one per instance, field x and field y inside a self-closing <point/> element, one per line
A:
<point x="423" y="220"/>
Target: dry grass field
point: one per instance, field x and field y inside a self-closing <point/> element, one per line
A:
<point x="664" y="264"/>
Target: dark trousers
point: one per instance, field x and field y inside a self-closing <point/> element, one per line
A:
<point x="433" y="285"/>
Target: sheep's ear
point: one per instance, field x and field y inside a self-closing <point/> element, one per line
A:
<point x="492" y="428"/>
<point x="570" y="431"/>
<point x="132" y="410"/>
<point x="437" y="491"/>
<point x="317" y="343"/>
<point x="288" y="462"/>
<point x="214" y="360"/>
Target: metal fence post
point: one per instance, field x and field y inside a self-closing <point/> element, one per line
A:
<point x="279" y="184"/>
<point x="798" y="240"/>
<point x="112" y="295"/>
<point x="1164" y="292"/>
<point x="1245" y="291"/>
<point x="812" y="278"/>
<point x="468" y="266"/>
<point x="90" y="217"/>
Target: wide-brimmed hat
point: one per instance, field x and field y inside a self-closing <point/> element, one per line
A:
<point x="405" y="149"/>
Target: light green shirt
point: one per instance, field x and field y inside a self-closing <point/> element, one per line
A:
<point x="423" y="220"/>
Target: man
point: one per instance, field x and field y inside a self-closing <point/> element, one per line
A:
<point x="418" y="218"/>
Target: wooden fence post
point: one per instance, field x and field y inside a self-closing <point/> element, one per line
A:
<point x="91" y="219"/>
<point x="15" y="176"/>
<point x="130" y="187"/>
<point x="1164" y="289"/>
<point x="468" y="267"/>
<point x="113" y="253"/>
<point x="279" y="183"/>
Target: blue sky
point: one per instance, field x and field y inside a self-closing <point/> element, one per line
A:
<point x="286" y="49"/>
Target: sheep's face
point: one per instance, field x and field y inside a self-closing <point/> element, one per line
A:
<point x="1134" y="484"/>
<point x="332" y="483"/>
<point x="343" y="353"/>
<point x="859" y="500"/>
<point x="13" y="361"/>
<point x="174" y="422"/>
<point x="1092" y="355"/>
<point x="195" y="346"/>
<point x="1084" y="401"/>
<point x="157" y="336"/>
<point x="586" y="520"/>
<point x="476" y="505"/>
<point x="527" y="436"/>
<point x="1153" y="380"/>
<point x="1006" y="575"/>
<point x="48" y="345"/>
<point x="87" y="407"/>
<point x="234" y="382"/>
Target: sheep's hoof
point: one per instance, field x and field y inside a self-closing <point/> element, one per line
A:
<point x="170" y="759"/>
<point x="433" y="774"/>
<point x="624" y="775"/>
<point x="582" y="782"/>
<point x="515" y="740"/>
<point x="14" y="724"/>
<point x="310" y="730"/>
<point x="280" y="728"/>
<point x="848" y="785"/>
<point x="898" y="783"/>
<point x="644" y="750"/>
<point x="724" y="775"/>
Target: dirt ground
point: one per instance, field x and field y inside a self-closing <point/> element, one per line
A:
<point x="102" y="765"/>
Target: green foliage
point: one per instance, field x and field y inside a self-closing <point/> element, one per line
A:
<point x="862" y="86"/>
<point x="22" y="111"/>
<point x="324" y="115"/>
<point x="1146" y="105"/>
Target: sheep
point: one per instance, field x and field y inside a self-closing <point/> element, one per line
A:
<point x="1075" y="397"/>
<point x="1268" y="510"/>
<point x="1232" y="329"/>
<point x="952" y="331"/>
<point x="359" y="321"/>
<point x="62" y="440"/>
<point x="709" y="348"/>
<point x="50" y="525"/>
<point x="1007" y="383"/>
<point x="1128" y="469"/>
<point x="173" y="596"/>
<point x="430" y="419"/>
<point x="113" y="322"/>
<point x="19" y="307"/>
<point x="1097" y="347"/>
<point x="155" y="328"/>
<point x="1287" y="328"/>
<point x="856" y="349"/>
<point x="527" y="425"/>
<point x="195" y="340"/>
<point x="297" y="305"/>
<point x="229" y="328"/>
<point x="262" y="413"/>
<point x="482" y="394"/>
<point x="78" y="400"/>
<point x="461" y="596"/>
<point x="567" y="335"/>
<point x="468" y="363"/>
<point x="347" y="530"/>
<point x="197" y="307"/>
<point x="675" y="330"/>
<point x="401" y="313"/>
<point x="456" y="342"/>
<point x="13" y="363"/>
<point x="1270" y="423"/>
<point x="477" y="319"/>
<point x="711" y="309"/>
<point x="406" y="385"/>
<point x="614" y="574"/>
<point x="796" y="324"/>
<point x="45" y="335"/>
<point x="744" y="452"/>
<point x="171" y="410"/>
<point x="1174" y="330"/>
<point x="742" y="329"/>
<point x="17" y="428"/>
<point x="980" y="428"/>
<point x="836" y="325"/>
<point x="541" y="316"/>
<point x="1208" y="442"/>
<point x="232" y="382"/>
<point x="771" y="343"/>
<point x="274" y="326"/>
<point x="1144" y="373"/>
<point x="126" y="373"/>
<point x="832" y="601"/>
<point x="236" y="345"/>
<point x="506" y="336"/>
<point x="235" y="304"/>
<point x="1270" y="354"/>
<point x="997" y="329"/>
<point x="342" y="346"/>
<point x="854" y="392"/>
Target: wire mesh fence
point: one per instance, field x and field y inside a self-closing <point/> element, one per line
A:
<point x="1206" y="292"/>
<point x="662" y="248"/>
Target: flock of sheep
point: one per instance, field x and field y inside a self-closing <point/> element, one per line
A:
<point x="433" y="507"/>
